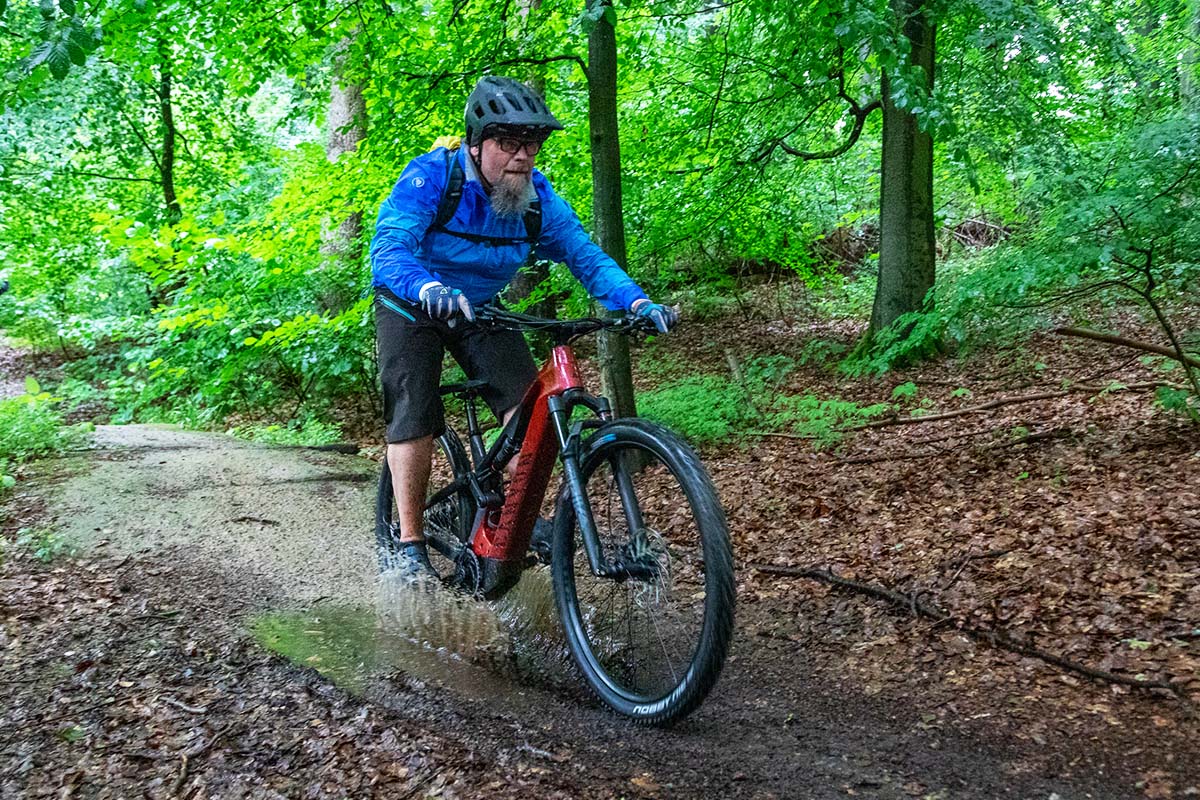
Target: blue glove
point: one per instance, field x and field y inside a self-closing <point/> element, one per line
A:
<point x="442" y="302"/>
<point x="663" y="317"/>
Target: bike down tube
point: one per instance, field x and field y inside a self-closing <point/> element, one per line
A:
<point x="507" y="539"/>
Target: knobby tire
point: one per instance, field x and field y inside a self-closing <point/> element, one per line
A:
<point x="678" y="502"/>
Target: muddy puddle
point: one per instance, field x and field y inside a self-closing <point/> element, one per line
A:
<point x="504" y="652"/>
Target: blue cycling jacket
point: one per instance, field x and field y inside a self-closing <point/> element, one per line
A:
<point x="406" y="254"/>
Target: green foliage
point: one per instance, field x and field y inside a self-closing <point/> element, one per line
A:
<point x="821" y="419"/>
<point x="1069" y="127"/>
<point x="905" y="391"/>
<point x="821" y="352"/>
<point x="31" y="427"/>
<point x="702" y="409"/>
<point x="304" y="431"/>
<point x="1179" y="401"/>
<point x="44" y="545"/>
<point x="710" y="408"/>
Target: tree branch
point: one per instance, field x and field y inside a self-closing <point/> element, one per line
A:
<point x="997" y="638"/>
<point x="860" y="114"/>
<point x="1121" y="341"/>
<point x="83" y="174"/>
<point x="1006" y="401"/>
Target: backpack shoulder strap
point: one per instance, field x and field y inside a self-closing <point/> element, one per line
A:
<point x="533" y="221"/>
<point x="452" y="195"/>
<point x="451" y="192"/>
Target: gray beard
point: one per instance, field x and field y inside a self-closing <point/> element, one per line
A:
<point x="510" y="196"/>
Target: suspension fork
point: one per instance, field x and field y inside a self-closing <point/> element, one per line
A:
<point x="571" y="442"/>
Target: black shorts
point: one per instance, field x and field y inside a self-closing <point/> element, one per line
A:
<point x="411" y="349"/>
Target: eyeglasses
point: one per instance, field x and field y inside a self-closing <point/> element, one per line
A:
<point x="511" y="146"/>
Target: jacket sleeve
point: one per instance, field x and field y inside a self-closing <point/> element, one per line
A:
<point x="564" y="239"/>
<point x="404" y="219"/>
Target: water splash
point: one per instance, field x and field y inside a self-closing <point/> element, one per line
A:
<point x="424" y="631"/>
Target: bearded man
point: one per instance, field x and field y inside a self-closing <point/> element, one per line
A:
<point x="431" y="270"/>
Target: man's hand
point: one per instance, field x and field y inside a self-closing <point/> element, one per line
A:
<point x="663" y="317"/>
<point x="442" y="302"/>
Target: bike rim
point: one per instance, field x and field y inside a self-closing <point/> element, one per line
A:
<point x="642" y="634"/>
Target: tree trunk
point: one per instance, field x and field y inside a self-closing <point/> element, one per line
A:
<point x="536" y="271"/>
<point x="615" y="373"/>
<point x="1187" y="65"/>
<point x="166" y="165"/>
<point x="342" y="245"/>
<point x="906" y="243"/>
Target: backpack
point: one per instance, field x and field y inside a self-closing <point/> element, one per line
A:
<point x="452" y="195"/>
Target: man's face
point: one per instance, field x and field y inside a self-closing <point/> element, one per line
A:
<point x="507" y="164"/>
<point x="498" y="165"/>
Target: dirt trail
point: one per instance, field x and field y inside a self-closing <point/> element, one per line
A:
<point x="296" y="515"/>
<point x="215" y="530"/>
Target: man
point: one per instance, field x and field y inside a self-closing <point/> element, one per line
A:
<point x="429" y="275"/>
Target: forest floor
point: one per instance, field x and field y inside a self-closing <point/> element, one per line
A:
<point x="1055" y="542"/>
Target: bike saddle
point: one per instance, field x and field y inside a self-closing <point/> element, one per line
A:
<point x="466" y="388"/>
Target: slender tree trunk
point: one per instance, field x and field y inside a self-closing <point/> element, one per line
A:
<point x="615" y="373"/>
<point x="906" y="241"/>
<point x="1187" y="66"/>
<point x="342" y="245"/>
<point x="166" y="164"/>
<point x="536" y="271"/>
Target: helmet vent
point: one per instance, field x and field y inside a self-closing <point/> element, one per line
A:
<point x="498" y="102"/>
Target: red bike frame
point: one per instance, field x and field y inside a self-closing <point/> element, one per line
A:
<point x="501" y="534"/>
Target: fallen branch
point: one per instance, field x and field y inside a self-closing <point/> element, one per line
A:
<point x="1122" y="341"/>
<point x="171" y="701"/>
<point x="1036" y="436"/>
<point x="193" y="753"/>
<point x="997" y="638"/>
<point x="1008" y="401"/>
<point x="988" y="554"/>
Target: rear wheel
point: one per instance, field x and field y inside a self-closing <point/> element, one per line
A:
<point x="650" y="641"/>
<point x="447" y="520"/>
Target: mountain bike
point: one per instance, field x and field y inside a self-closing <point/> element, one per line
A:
<point x="639" y="551"/>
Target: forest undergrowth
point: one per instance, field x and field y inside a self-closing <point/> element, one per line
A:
<point x="1020" y="513"/>
<point x="1030" y="508"/>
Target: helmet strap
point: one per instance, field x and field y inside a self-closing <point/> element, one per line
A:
<point x="478" y="162"/>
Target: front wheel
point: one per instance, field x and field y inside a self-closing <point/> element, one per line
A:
<point x="651" y="639"/>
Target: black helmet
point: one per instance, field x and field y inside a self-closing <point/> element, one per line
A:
<point x="503" y="105"/>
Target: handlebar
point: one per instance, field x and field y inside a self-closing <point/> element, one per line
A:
<point x="563" y="330"/>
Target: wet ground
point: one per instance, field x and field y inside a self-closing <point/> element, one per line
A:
<point x="267" y="551"/>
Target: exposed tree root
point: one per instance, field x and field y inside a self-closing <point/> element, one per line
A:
<point x="997" y="638"/>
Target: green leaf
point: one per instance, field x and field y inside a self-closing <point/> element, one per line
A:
<point x="32" y="386"/>
<point x="39" y="54"/>
<point x="75" y="53"/>
<point x="592" y="15"/>
<point x="47" y="9"/>
<point x="67" y="7"/>
<point x="3" y="7"/>
<point x="83" y="39"/>
<point x="59" y="61"/>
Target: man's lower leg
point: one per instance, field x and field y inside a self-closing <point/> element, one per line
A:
<point x="410" y="464"/>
